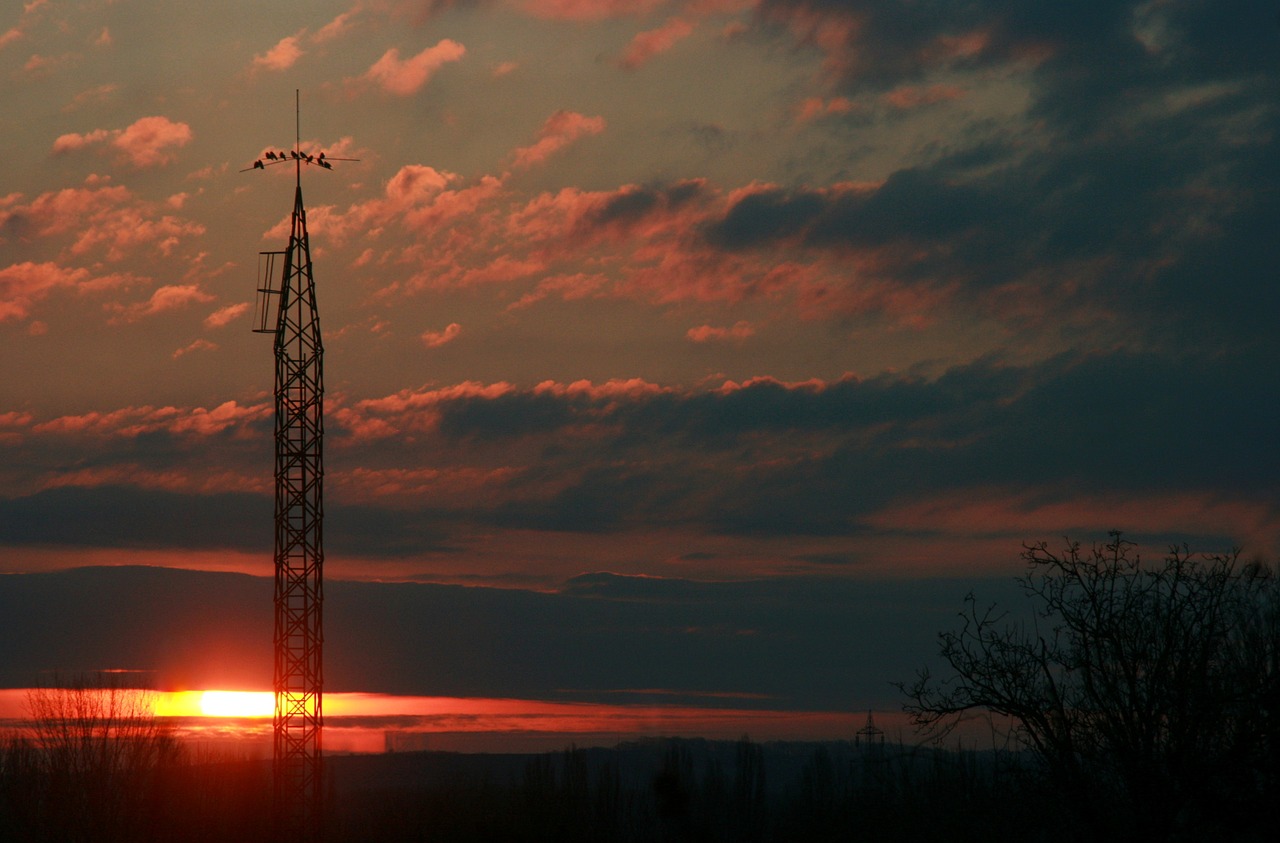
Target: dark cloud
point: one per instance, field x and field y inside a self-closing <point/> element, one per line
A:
<point x="774" y="458"/>
<point x="127" y="516"/>
<point x="761" y="217"/>
<point x="1120" y="424"/>
<point x="914" y="207"/>
<point x="1133" y="190"/>
<point x="1129" y="41"/>
<point x="626" y="206"/>
<point x="1113" y="221"/>
<point x="632" y="204"/>
<point x="513" y="414"/>
<point x="798" y="644"/>
<point x="133" y="517"/>
<point x="186" y="628"/>
<point x="764" y="458"/>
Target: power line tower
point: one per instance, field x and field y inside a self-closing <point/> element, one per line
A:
<point x="874" y="736"/>
<point x="287" y="309"/>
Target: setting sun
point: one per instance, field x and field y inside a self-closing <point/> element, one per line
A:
<point x="237" y="703"/>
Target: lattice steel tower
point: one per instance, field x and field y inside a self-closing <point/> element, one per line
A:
<point x="287" y="309"/>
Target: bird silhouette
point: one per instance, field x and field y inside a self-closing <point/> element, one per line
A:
<point x="258" y="165"/>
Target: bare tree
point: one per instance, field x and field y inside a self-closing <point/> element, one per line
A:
<point x="1149" y="692"/>
<point x="96" y="752"/>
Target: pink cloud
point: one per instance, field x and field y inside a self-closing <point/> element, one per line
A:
<point x="24" y="284"/>
<point x="97" y="94"/>
<point x="98" y="215"/>
<point x="129" y="422"/>
<point x="41" y="66"/>
<point x="224" y="316"/>
<point x="611" y="390"/>
<point x="963" y="46"/>
<point x="407" y="76"/>
<point x="641" y="242"/>
<point x="414" y="184"/>
<point x="166" y="298"/>
<point x="416" y="12"/>
<point x="147" y="142"/>
<point x="588" y="9"/>
<point x="833" y="28"/>
<point x="568" y="287"/>
<point x="910" y="96"/>
<point x="416" y="195"/>
<point x="13" y="425"/>
<point x="646" y="45"/>
<point x="228" y="414"/>
<point x="452" y="205"/>
<point x="71" y="142"/>
<point x="69" y="209"/>
<point x="134" y="228"/>
<point x="280" y="57"/>
<point x="409" y="410"/>
<point x="112" y="219"/>
<point x="1034" y="513"/>
<point x="815" y="108"/>
<point x="463" y="485"/>
<point x="706" y="333"/>
<point x="198" y="345"/>
<point x="814" y="385"/>
<point x="435" y="339"/>
<point x="335" y="28"/>
<point x="501" y="269"/>
<point x="131" y="474"/>
<point x="560" y="130"/>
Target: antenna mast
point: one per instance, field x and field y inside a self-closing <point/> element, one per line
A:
<point x="287" y="309"/>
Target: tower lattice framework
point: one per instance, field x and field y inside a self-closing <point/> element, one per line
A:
<point x="299" y="547"/>
<point x="287" y="309"/>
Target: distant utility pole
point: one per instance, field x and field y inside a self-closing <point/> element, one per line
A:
<point x="287" y="309"/>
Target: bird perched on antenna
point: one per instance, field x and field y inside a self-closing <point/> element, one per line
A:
<point x="270" y="157"/>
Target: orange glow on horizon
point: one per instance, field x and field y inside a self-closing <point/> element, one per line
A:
<point x="373" y="722"/>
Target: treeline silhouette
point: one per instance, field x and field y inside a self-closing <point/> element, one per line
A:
<point x="653" y="790"/>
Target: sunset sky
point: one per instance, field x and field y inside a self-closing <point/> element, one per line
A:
<point x="706" y="350"/>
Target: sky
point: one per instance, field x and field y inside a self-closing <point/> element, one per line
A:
<point x="698" y="347"/>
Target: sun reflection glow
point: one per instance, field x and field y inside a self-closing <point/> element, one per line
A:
<point x="237" y="704"/>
